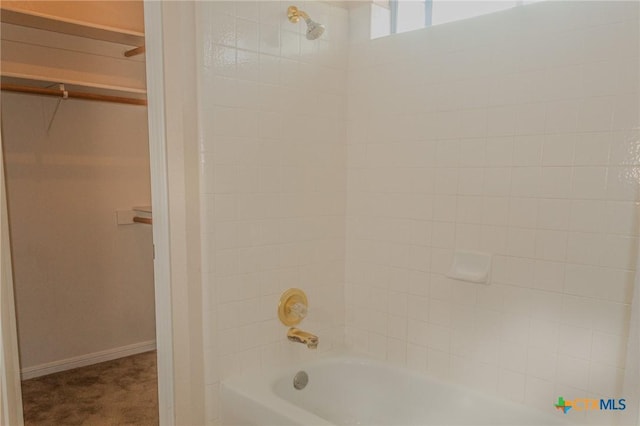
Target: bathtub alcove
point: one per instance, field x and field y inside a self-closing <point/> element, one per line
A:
<point x="356" y="165"/>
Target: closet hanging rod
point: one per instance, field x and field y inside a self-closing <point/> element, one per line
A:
<point x="147" y="220"/>
<point x="71" y="94"/>
<point x="133" y="52"/>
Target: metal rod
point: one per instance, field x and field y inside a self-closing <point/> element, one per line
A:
<point x="134" y="52"/>
<point x="71" y="94"/>
<point x="146" y="220"/>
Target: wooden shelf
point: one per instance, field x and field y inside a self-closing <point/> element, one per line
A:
<point x="73" y="81"/>
<point x="68" y="26"/>
<point x="40" y="50"/>
<point x="83" y="92"/>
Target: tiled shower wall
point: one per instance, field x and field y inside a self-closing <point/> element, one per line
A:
<point x="515" y="134"/>
<point x="273" y="153"/>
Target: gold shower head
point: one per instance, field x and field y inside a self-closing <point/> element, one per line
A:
<point x="314" y="29"/>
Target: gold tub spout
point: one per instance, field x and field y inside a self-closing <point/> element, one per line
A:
<point x="306" y="338"/>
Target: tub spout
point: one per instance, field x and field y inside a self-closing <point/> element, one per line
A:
<point x="297" y="335"/>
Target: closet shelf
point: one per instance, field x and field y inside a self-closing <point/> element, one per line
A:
<point x="41" y="51"/>
<point x="88" y="91"/>
<point x="72" y="27"/>
<point x="46" y="55"/>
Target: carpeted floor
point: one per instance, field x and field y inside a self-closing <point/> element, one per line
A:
<point x="119" y="392"/>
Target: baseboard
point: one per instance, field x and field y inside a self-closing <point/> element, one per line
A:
<point x="88" y="359"/>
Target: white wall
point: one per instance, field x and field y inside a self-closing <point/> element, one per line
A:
<point x="517" y="134"/>
<point x="83" y="283"/>
<point x="183" y="223"/>
<point x="514" y="133"/>
<point x="273" y="155"/>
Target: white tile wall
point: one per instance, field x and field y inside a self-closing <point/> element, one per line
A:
<point x="273" y="166"/>
<point x="515" y="133"/>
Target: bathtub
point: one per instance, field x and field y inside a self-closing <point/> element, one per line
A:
<point x="348" y="390"/>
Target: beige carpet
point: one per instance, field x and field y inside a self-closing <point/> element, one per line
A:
<point x="119" y="392"/>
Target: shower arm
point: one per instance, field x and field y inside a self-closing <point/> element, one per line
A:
<point x="294" y="14"/>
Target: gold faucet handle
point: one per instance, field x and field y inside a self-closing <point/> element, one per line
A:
<point x="293" y="307"/>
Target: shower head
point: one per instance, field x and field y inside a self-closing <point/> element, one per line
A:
<point x="314" y="29"/>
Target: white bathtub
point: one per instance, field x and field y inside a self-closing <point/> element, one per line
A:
<point x="345" y="390"/>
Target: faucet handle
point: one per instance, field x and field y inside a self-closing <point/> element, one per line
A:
<point x="292" y="307"/>
<point x="298" y="309"/>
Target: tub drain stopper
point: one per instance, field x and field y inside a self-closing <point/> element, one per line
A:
<point x="300" y="380"/>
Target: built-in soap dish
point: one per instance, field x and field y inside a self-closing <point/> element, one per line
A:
<point x="471" y="266"/>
